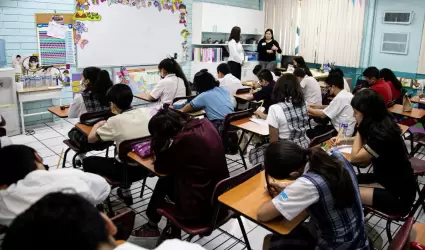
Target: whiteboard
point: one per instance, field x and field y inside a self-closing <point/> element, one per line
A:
<point x="129" y="36"/>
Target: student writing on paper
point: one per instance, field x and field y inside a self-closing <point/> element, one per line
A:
<point x="310" y="87"/>
<point x="128" y="123"/>
<point x="378" y="84"/>
<point x="216" y="101"/>
<point x="287" y="119"/>
<point x="96" y="83"/>
<point x="266" y="83"/>
<point x="325" y="185"/>
<point x="267" y="48"/>
<point x="71" y="223"/>
<point x="339" y="110"/>
<point x="236" y="52"/>
<point x="26" y="180"/>
<point x="227" y="80"/>
<point x="190" y="152"/>
<point x="395" y="85"/>
<point x="173" y="83"/>
<point x="379" y="141"/>
<point x="257" y="69"/>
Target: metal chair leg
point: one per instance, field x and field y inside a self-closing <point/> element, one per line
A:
<point x="107" y="152"/>
<point x="388" y="229"/>
<point x="64" y="157"/>
<point x="110" y="211"/>
<point x="74" y="160"/>
<point x="418" y="189"/>
<point x="245" y="236"/>
<point x="143" y="187"/>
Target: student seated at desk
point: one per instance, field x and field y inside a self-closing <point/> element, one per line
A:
<point x="216" y="101"/>
<point x="69" y="222"/>
<point x="378" y="84"/>
<point x="128" y="123"/>
<point x="257" y="69"/>
<point x="395" y="85"/>
<point x="96" y="83"/>
<point x="300" y="63"/>
<point x="173" y="83"/>
<point x="191" y="153"/>
<point x="325" y="185"/>
<point x="310" y="87"/>
<point x="227" y="80"/>
<point x="379" y="141"/>
<point x="4" y="139"/>
<point x="341" y="73"/>
<point x="24" y="180"/>
<point x="266" y="83"/>
<point x="339" y="110"/>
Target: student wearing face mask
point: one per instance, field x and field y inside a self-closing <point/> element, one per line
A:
<point x="339" y="110"/>
<point x="173" y="84"/>
<point x="28" y="181"/>
<point x="128" y="123"/>
<point x="96" y="83"/>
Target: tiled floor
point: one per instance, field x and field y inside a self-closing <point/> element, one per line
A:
<point x="47" y="140"/>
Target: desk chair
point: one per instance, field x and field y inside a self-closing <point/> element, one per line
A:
<point x="124" y="222"/>
<point x="188" y="98"/>
<point x="321" y="138"/>
<point x="401" y="239"/>
<point x="220" y="216"/>
<point x="243" y="90"/>
<point x="228" y="133"/>
<point x="88" y="118"/>
<point x="2" y="132"/>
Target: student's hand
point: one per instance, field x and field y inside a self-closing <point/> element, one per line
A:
<point x="274" y="47"/>
<point x="100" y="124"/>
<point x="270" y="51"/>
<point x="335" y="142"/>
<point x="277" y="187"/>
<point x="260" y="114"/>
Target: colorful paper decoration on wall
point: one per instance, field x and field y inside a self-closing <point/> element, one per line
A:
<point x="140" y="80"/>
<point x="54" y="50"/>
<point x="76" y="83"/>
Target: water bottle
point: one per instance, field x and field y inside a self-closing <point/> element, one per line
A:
<point x="420" y="89"/>
<point x="343" y="126"/>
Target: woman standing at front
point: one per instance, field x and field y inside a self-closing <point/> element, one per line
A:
<point x="267" y="48"/>
<point x="236" y="53"/>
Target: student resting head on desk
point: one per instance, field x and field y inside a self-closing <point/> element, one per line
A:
<point x="192" y="155"/>
<point x="128" y="123"/>
<point x="216" y="101"/>
<point x="227" y="80"/>
<point x="69" y="222"/>
<point x="173" y="83"/>
<point x="379" y="141"/>
<point x="325" y="185"/>
<point x="299" y="62"/>
<point x="377" y="83"/>
<point x="339" y="110"/>
<point x="27" y="180"/>
<point x="96" y="83"/>
<point x="287" y="119"/>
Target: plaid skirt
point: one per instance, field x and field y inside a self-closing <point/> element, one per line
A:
<point x="301" y="238"/>
<point x="256" y="155"/>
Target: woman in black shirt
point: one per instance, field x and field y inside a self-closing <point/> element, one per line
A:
<point x="379" y="142"/>
<point x="267" y="48"/>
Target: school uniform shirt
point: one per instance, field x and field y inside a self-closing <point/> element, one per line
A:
<point x="262" y="48"/>
<point x="346" y="86"/>
<point x="20" y="196"/>
<point x="236" y="52"/>
<point x="339" y="107"/>
<point x="265" y="94"/>
<point x="169" y="88"/>
<point x="311" y="90"/>
<point x="231" y="83"/>
<point x="383" y="89"/>
<point x="128" y="125"/>
<point x="5" y="141"/>
<point x="84" y="103"/>
<point x="216" y="102"/>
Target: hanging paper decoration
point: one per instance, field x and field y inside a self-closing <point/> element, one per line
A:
<point x="123" y="75"/>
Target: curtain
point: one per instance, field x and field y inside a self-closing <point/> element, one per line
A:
<point x="332" y="31"/>
<point x="282" y="16"/>
<point x="421" y="63"/>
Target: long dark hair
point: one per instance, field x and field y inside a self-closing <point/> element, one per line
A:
<point x="271" y="32"/>
<point x="301" y="64"/>
<point x="376" y="118"/>
<point x="204" y="81"/>
<point x="172" y="67"/>
<point x="99" y="83"/>
<point x="284" y="157"/>
<point x="389" y="76"/>
<point x="163" y="126"/>
<point x="288" y="89"/>
<point x="21" y="157"/>
<point x="235" y="34"/>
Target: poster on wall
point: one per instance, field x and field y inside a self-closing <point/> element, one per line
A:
<point x="140" y="80"/>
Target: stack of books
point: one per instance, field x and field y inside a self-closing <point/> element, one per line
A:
<point x="207" y="55"/>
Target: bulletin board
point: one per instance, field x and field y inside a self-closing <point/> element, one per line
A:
<point x="55" y="50"/>
<point x="129" y="32"/>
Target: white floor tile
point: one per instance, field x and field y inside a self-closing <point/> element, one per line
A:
<point x="233" y="227"/>
<point x="45" y="152"/>
<point x="58" y="149"/>
<point x="256" y="237"/>
<point x="53" y="141"/>
<point x="23" y="139"/>
<point x="47" y="135"/>
<point x="36" y="145"/>
<point x="52" y="161"/>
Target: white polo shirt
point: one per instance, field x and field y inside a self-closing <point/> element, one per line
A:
<point x="231" y="83"/>
<point x="311" y="90"/>
<point x="339" y="107"/>
<point x="168" y="88"/>
<point x="236" y="52"/>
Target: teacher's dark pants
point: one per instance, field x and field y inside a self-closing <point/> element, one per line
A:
<point x="235" y="69"/>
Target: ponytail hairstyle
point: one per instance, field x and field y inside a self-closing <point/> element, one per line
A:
<point x="285" y="157"/>
<point x="163" y="127"/>
<point x="99" y="83"/>
<point x="172" y="67"/>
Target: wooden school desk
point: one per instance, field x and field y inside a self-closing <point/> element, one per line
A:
<point x="57" y="111"/>
<point x="416" y="99"/>
<point x="140" y="96"/>
<point x="145" y="162"/>
<point x="244" y="97"/>
<point x="84" y="128"/>
<point x="247" y="198"/>
<point x="415" y="113"/>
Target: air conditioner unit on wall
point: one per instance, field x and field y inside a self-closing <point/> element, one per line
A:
<point x="395" y="43"/>
<point x="398" y="17"/>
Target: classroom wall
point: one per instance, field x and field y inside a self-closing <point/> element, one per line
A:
<point x="401" y="63"/>
<point x="17" y="27"/>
